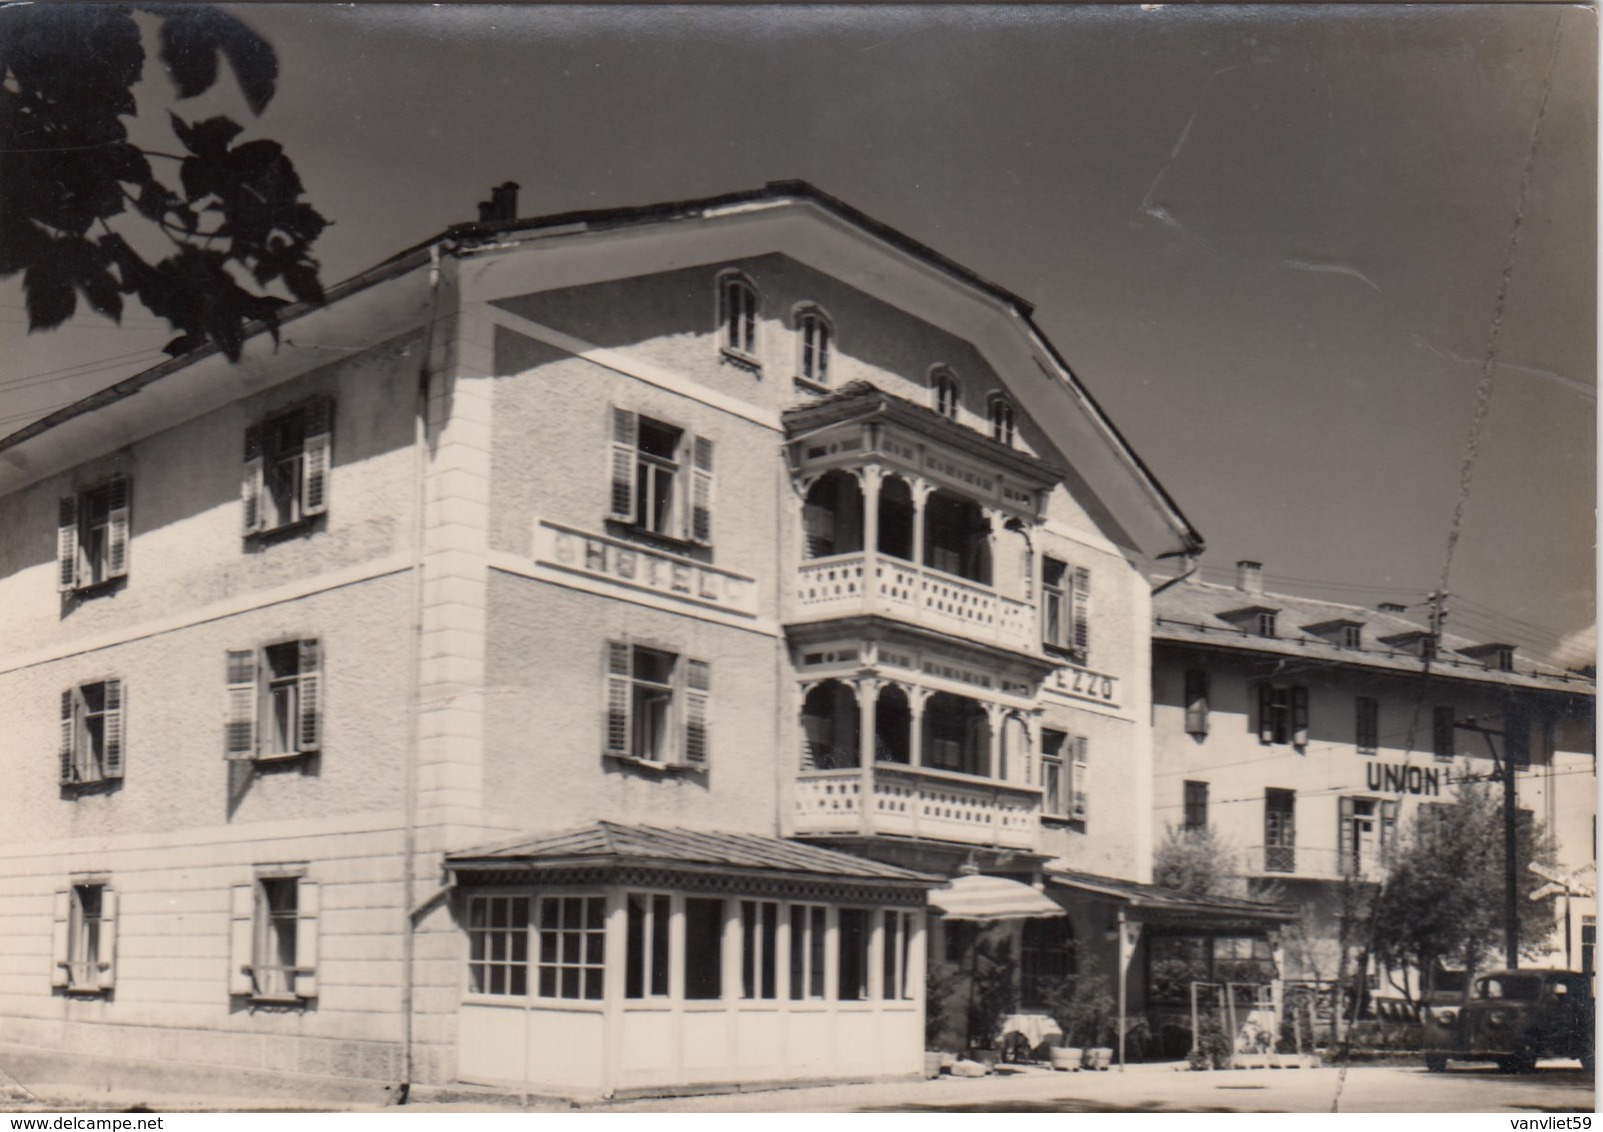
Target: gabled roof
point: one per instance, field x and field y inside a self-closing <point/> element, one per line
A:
<point x="1202" y="613"/>
<point x="611" y="844"/>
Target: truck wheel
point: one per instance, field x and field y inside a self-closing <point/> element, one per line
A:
<point x="1435" y="1063"/>
<point x="1524" y="1058"/>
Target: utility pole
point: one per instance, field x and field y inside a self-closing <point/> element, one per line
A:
<point x="1504" y="767"/>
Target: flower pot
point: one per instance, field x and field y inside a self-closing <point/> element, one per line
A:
<point x="1065" y="1058"/>
<point x="1099" y="1058"/>
<point x="986" y="1057"/>
<point x="932" y="1063"/>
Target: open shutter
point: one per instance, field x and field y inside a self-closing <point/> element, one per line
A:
<point x="316" y="449"/>
<point x="698" y="516"/>
<point x="106" y="960"/>
<point x="60" y="926"/>
<point x="1388" y="823"/>
<point x="1197" y="703"/>
<point x="240" y="728"/>
<point x="1082" y="613"/>
<point x="625" y="433"/>
<point x="1348" y="865"/>
<point x="111" y="763"/>
<point x="698" y="688"/>
<point x="67" y="544"/>
<point x="69" y="736"/>
<point x="309" y="729"/>
<point x="615" y="728"/>
<point x="241" y="933"/>
<point x="1266" y="713"/>
<point x="119" y="493"/>
<point x="1082" y="794"/>
<point x="1299" y="716"/>
<point x="250" y="486"/>
<point x="306" y="913"/>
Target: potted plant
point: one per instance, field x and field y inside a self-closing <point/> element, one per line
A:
<point x="1082" y="1005"/>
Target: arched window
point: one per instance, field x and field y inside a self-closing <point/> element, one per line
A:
<point x="896" y="518"/>
<point x="947" y="393"/>
<point x="833" y="515"/>
<point x="830" y="722"/>
<point x="957" y="735"/>
<point x="893" y="726"/>
<point x="816" y="341"/>
<point x="957" y="537"/>
<point x="1002" y="420"/>
<point x="737" y="314"/>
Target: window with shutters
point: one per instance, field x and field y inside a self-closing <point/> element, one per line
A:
<point x="573" y="936"/>
<point x="275" y="937"/>
<point x="948" y="395"/>
<point x="287" y="460"/>
<point x="274" y="704"/>
<point x="1066" y="609"/>
<point x="737" y="320"/>
<point x="1056" y="801"/>
<point x="656" y="706"/>
<point x="498" y="945"/>
<point x="92" y="733"/>
<point x="1002" y="420"/>
<point x="1280" y="831"/>
<point x="1197" y="706"/>
<point x="1283" y="715"/>
<point x="1367" y="725"/>
<point x="660" y="479"/>
<point x="815" y="343"/>
<point x="1080" y="772"/>
<point x="85" y="938"/>
<point x="1366" y="826"/>
<point x="92" y="536"/>
<point x="1196" y="806"/>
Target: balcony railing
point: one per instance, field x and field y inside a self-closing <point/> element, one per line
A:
<point x="850" y="584"/>
<point x="1312" y="863"/>
<point x="908" y="801"/>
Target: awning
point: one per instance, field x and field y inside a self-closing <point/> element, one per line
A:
<point x="1160" y="907"/>
<point x="976" y="897"/>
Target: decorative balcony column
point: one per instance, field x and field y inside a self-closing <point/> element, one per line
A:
<point x="871" y="476"/>
<point x="996" y="719"/>
<point x="916" y="696"/>
<point x="867" y="700"/>
<point x="1032" y="759"/>
<point x="921" y="489"/>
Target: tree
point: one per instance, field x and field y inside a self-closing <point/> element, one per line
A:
<point x="1443" y="898"/>
<point x="235" y="225"/>
<point x="1197" y="862"/>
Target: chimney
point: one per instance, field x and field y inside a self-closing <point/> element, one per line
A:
<point x="502" y="207"/>
<point x="1391" y="607"/>
<point x="1249" y="577"/>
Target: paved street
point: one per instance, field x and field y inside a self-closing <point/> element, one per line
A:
<point x="1556" y="1087"/>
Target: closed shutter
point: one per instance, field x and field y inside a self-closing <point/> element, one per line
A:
<point x="106" y="960"/>
<point x="1266" y="713"/>
<point x="240" y="725"/>
<point x="625" y="434"/>
<point x="60" y="929"/>
<point x="698" y="690"/>
<point x="1082" y="613"/>
<point x="1197" y="703"/>
<point x="316" y="452"/>
<point x="111" y="763"/>
<point x="67" y="544"/>
<point x="241" y="934"/>
<point x="1388" y="823"/>
<point x="250" y="486"/>
<point x="1348" y="865"/>
<point x="69" y="737"/>
<point x="699" y="513"/>
<point x="306" y="918"/>
<point x="1299" y="717"/>
<point x="309" y="728"/>
<point x="615" y="726"/>
<point x="119" y="495"/>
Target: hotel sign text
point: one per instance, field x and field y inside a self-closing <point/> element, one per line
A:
<point x="1392" y="778"/>
<point x="643" y="568"/>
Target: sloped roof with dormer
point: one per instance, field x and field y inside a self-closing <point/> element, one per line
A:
<point x="1200" y="613"/>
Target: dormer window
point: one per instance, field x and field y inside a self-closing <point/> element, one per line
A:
<point x="1002" y="420"/>
<point x="1503" y="660"/>
<point x="947" y="393"/>
<point x="737" y="317"/>
<point x="1498" y="657"/>
<point x="816" y="343"/>
<point x="1352" y="636"/>
<point x="1265" y="621"/>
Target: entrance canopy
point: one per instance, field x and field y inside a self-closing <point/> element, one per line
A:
<point x="977" y="897"/>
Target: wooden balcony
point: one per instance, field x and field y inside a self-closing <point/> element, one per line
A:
<point x="850" y="585"/>
<point x="905" y="801"/>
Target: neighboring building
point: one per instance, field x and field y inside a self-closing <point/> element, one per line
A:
<point x="1307" y="733"/>
<point x="565" y="662"/>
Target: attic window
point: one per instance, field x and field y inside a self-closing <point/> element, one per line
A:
<point x="947" y="393"/>
<point x="1265" y="620"/>
<point x="1002" y="420"/>
<point x="1352" y="636"/>
<point x="1502" y="659"/>
<point x="816" y="335"/>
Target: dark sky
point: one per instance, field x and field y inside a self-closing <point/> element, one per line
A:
<point x="1269" y="240"/>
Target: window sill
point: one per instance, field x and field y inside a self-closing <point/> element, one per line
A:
<point x="303" y="525"/>
<point x="87" y="992"/>
<point x="656" y="765"/>
<point x="1056" y="820"/>
<point x="276" y="999"/>
<point x="670" y="544"/>
<point x="740" y="359"/>
<point x="810" y="385"/>
<point x="95" y="589"/>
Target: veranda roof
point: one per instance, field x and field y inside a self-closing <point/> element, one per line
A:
<point x="978" y="897"/>
<point x="1163" y="907"/>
